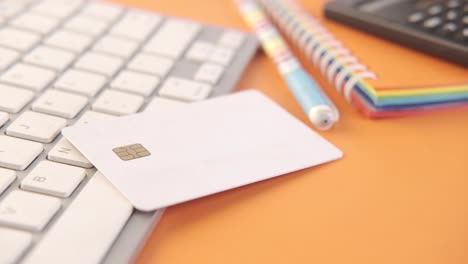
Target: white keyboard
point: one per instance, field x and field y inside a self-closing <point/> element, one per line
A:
<point x="66" y="62"/>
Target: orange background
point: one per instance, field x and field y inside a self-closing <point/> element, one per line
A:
<point x="400" y="194"/>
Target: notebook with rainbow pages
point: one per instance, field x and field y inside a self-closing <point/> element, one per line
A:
<point x="424" y="83"/>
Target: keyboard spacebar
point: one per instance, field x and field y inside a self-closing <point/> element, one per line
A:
<point x="88" y="227"/>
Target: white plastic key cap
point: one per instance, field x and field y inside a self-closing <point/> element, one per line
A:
<point x="18" y="39"/>
<point x="102" y="212"/>
<point x="10" y="8"/>
<point x="4" y="117"/>
<point x="172" y="38"/>
<point x="99" y="63"/>
<point x="118" y="103"/>
<point x="53" y="58"/>
<point x="163" y="105"/>
<point x="134" y="82"/>
<point x="116" y="46"/>
<point x="185" y="90"/>
<point x="135" y="25"/>
<point x="53" y="178"/>
<point x="151" y="64"/>
<point x="86" y="25"/>
<point x="231" y="39"/>
<point x="200" y="51"/>
<point x="103" y="11"/>
<point x="58" y="9"/>
<point x="35" y="23"/>
<point x="13" y="244"/>
<point x="222" y="55"/>
<point x="209" y="72"/>
<point x="36" y="127"/>
<point x="91" y="116"/>
<point x="81" y="82"/>
<point x="65" y="152"/>
<point x="58" y="103"/>
<point x="28" y="76"/>
<point x="17" y="154"/>
<point x="13" y="99"/>
<point x="69" y="40"/>
<point x="7" y="57"/>
<point x="26" y="210"/>
<point x="7" y="177"/>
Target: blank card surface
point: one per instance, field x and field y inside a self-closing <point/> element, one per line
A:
<point x="158" y="159"/>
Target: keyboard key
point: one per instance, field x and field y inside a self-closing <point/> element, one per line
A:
<point x="172" y="38"/>
<point x="200" y="51"/>
<point x="81" y="82"/>
<point x="59" y="103"/>
<point x="7" y="57"/>
<point x="35" y="23"/>
<point x="232" y="39"/>
<point x="186" y="90"/>
<point x="209" y="72"/>
<point x="53" y="178"/>
<point x="86" y="25"/>
<point x="163" y="104"/>
<point x="13" y="243"/>
<point x="36" y="127"/>
<point x="135" y="82"/>
<point x="118" y="103"/>
<point x="222" y="55"/>
<point x="136" y="25"/>
<point x="116" y="46"/>
<point x="7" y="177"/>
<point x="91" y="116"/>
<point x="65" y="152"/>
<point x="58" y="9"/>
<point x="28" y="76"/>
<point x="18" y="39"/>
<point x="103" y="11"/>
<point x="13" y="99"/>
<point x="10" y="8"/>
<point x="29" y="211"/>
<point x="17" y="154"/>
<point x="68" y="40"/>
<point x="99" y="211"/>
<point x="48" y="57"/>
<point x="4" y="117"/>
<point x="99" y="63"/>
<point x="151" y="64"/>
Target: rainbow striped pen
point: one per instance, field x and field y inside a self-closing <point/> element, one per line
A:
<point x="320" y="110"/>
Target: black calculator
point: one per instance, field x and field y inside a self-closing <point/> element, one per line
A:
<point x="437" y="27"/>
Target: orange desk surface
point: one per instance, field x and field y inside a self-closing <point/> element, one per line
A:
<point x="400" y="194"/>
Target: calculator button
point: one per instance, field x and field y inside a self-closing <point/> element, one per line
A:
<point x="449" y="28"/>
<point x="432" y="23"/>
<point x="451" y="15"/>
<point x="435" y="10"/>
<point x="416" y="17"/>
<point x="465" y="20"/>
<point x="453" y="3"/>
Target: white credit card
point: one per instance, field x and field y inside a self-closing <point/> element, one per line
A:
<point x="158" y="159"/>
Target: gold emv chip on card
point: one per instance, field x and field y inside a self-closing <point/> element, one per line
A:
<point x="131" y="152"/>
